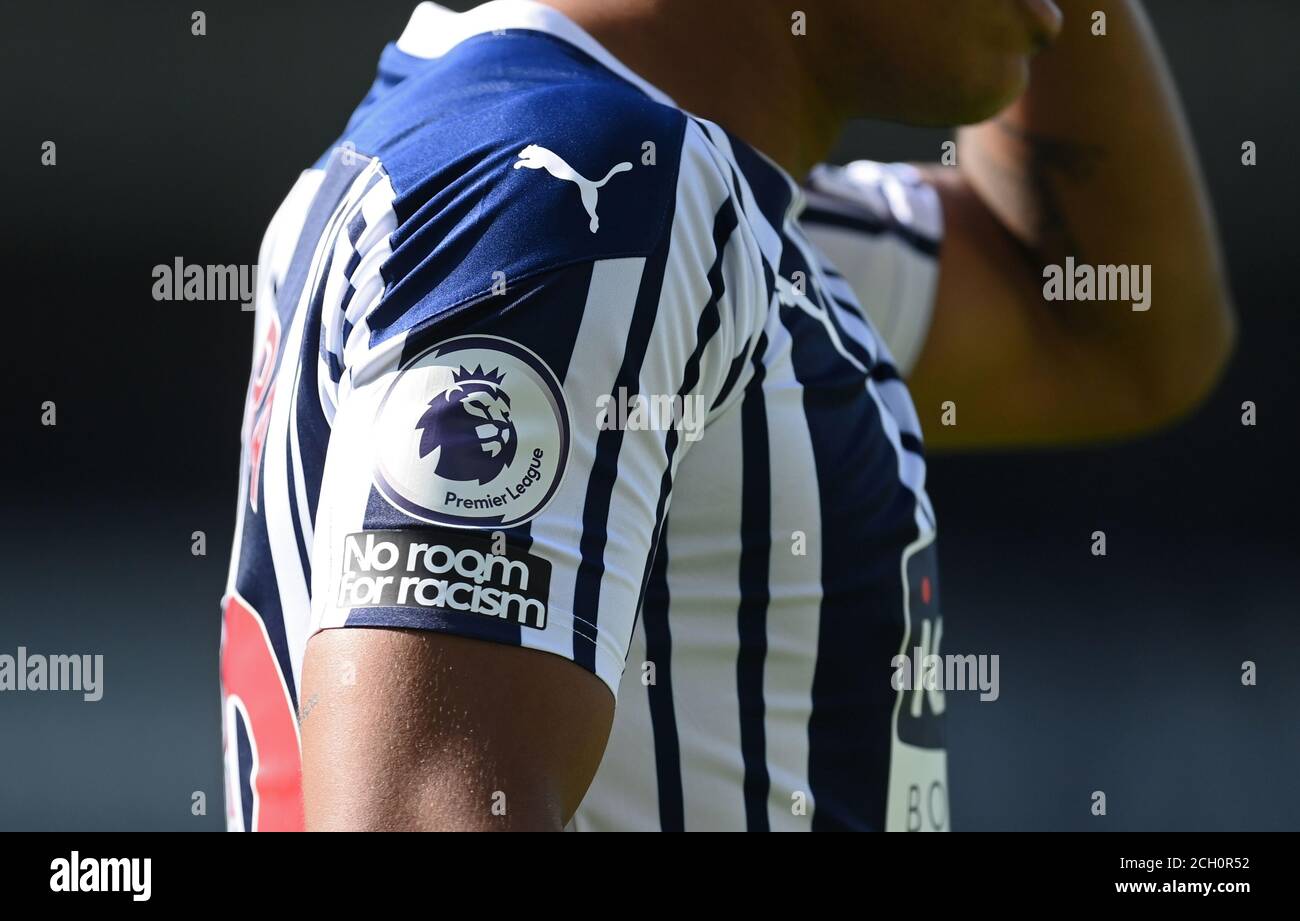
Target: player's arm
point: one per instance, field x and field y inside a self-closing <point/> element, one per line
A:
<point x="414" y="730"/>
<point x="1094" y="162"/>
<point x="486" y="523"/>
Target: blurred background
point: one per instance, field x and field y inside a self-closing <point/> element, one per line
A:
<point x="1120" y="674"/>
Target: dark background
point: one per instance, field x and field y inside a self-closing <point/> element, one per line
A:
<point x="1119" y="674"/>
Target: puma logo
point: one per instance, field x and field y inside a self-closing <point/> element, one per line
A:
<point x="535" y="157"/>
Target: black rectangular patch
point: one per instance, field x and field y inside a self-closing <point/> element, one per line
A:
<point x="445" y="570"/>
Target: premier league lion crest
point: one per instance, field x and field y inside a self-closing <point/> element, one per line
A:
<point x="469" y="425"/>
<point x="473" y="433"/>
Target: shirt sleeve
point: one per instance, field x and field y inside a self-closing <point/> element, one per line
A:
<point x="501" y="470"/>
<point x="881" y="225"/>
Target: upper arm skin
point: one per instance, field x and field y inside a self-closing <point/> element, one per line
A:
<point x="1020" y="370"/>
<point x="1096" y="162"/>
<point x="415" y="730"/>
<point x="1015" y="371"/>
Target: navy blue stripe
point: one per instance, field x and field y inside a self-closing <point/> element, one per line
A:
<point x="663" y="716"/>
<point x="257" y="582"/>
<point x="740" y="191"/>
<point x="738" y="365"/>
<point x="883" y="372"/>
<point x="755" y="561"/>
<point x="855" y="348"/>
<point x="733" y="375"/>
<point x="609" y="442"/>
<point x="654" y="583"/>
<point x="829" y="303"/>
<point x="244" y="754"/>
<point x="546" y="315"/>
<point x="772" y="191"/>
<point x="868" y="516"/>
<point x="872" y="226"/>
<point x="300" y="539"/>
<point x="792" y="261"/>
<point x="911" y="443"/>
<point x="313" y="430"/>
<point x="769" y="279"/>
<point x="339" y="176"/>
<point x="343" y="307"/>
<point x="853" y="311"/>
<point x="356" y="227"/>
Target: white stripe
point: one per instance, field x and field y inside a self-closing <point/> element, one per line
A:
<point x="896" y="397"/>
<point x="769" y="240"/>
<point x="894" y="283"/>
<point x="434" y="30"/>
<point x="346" y="482"/>
<point x="274" y="256"/>
<point x="624" y="795"/>
<point x="855" y="323"/>
<point x="597" y="355"/>
<point x="795" y="583"/>
<point x="295" y="602"/>
<point x="337" y="281"/>
<point x="684" y="293"/>
<point x="299" y="481"/>
<point x="377" y="206"/>
<point x="703" y="543"/>
<point x="374" y="247"/>
<point x="881" y="191"/>
<point x="289" y="576"/>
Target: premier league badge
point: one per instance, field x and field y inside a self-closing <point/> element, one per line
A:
<point x="473" y="433"/>
<point x="469" y="426"/>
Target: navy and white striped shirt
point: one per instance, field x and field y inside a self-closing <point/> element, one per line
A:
<point x="543" y="360"/>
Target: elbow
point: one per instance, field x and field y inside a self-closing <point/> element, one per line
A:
<point x="1192" y="368"/>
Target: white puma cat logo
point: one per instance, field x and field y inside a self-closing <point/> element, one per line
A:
<point x="535" y="157"/>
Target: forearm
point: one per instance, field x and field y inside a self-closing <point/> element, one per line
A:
<point x="1096" y="162"/>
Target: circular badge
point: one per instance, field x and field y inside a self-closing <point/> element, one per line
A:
<point x="473" y="433"/>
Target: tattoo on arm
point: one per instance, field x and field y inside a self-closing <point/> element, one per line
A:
<point x="308" y="705"/>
